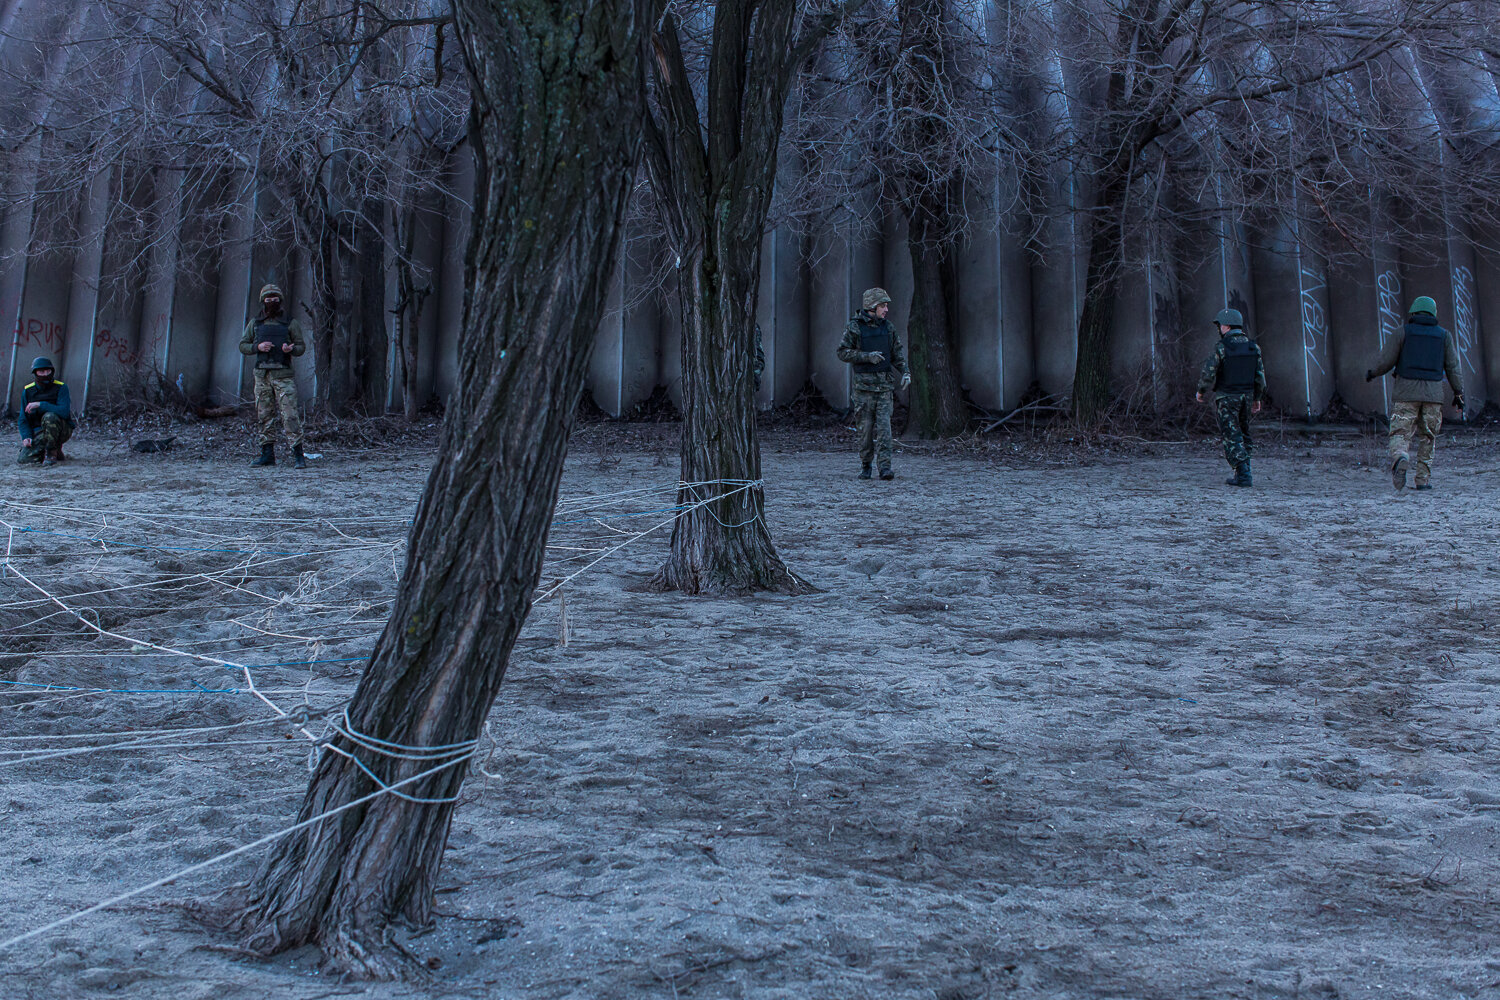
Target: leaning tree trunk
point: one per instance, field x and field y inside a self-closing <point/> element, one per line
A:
<point x="937" y="400"/>
<point x="722" y="546"/>
<point x="555" y="121"/>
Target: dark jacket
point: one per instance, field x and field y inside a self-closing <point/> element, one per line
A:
<point x="53" y="398"/>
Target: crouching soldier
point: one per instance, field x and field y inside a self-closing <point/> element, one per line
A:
<point x="274" y="340"/>
<point x="873" y="347"/>
<point x="46" y="417"/>
<point x="1423" y="354"/>
<point x="1236" y="374"/>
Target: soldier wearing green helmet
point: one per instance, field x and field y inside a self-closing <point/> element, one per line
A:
<point x="1236" y="374"/>
<point x="1423" y="356"/>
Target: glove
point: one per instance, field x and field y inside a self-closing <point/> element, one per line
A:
<point x="905" y="380"/>
<point x="1458" y="403"/>
<point x="1369" y="375"/>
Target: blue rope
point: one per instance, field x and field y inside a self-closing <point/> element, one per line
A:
<point x="196" y="689"/>
<point x="165" y="548"/>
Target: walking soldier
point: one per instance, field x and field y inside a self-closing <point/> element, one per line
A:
<point x="1422" y="355"/>
<point x="873" y="347"/>
<point x="273" y="340"/>
<point x="1236" y="374"/>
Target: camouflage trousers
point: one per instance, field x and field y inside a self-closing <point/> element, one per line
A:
<point x="874" y="410"/>
<point x="276" y="392"/>
<point x="1420" y="419"/>
<point x="1234" y="426"/>
<point x="50" y="433"/>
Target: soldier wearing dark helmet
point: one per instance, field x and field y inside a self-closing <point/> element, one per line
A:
<point x="46" y="417"/>
<point x="1423" y="355"/>
<point x="1236" y="374"/>
<point x="274" y="339"/>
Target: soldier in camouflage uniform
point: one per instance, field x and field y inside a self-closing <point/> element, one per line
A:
<point x="46" y="417"/>
<point x="873" y="347"/>
<point x="1236" y="374"/>
<point x="1423" y="356"/>
<point x="273" y="340"/>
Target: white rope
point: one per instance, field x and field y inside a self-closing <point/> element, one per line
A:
<point x="191" y="869"/>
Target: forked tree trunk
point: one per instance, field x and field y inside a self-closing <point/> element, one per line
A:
<point x="937" y="400"/>
<point x="555" y="124"/>
<point x="723" y="546"/>
<point x="714" y="186"/>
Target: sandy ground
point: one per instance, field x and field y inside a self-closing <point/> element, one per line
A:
<point x="1105" y="730"/>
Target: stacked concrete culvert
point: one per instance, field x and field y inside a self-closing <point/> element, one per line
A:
<point x="117" y="307"/>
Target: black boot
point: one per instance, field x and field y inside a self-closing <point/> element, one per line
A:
<point x="267" y="455"/>
<point x="299" y="461"/>
<point x="886" y="473"/>
<point x="1244" y="474"/>
<point x="864" y="472"/>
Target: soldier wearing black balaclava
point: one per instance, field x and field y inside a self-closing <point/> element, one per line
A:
<point x="274" y="340"/>
<point x="46" y="417"/>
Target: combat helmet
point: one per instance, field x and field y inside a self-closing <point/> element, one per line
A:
<point x="1423" y="304"/>
<point x="37" y="364"/>
<point x="1230" y="318"/>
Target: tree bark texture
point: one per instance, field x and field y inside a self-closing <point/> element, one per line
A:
<point x="926" y="170"/>
<point x="937" y="399"/>
<point x="714" y="184"/>
<point x="557" y="97"/>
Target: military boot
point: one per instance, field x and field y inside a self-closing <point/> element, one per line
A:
<point x="864" y="472"/>
<point x="48" y="459"/>
<point x="267" y="455"/>
<point x="299" y="461"/>
<point x="1398" y="472"/>
<point x="1422" y="486"/>
<point x="886" y="473"/>
<point x="1234" y="477"/>
<point x="1242" y="474"/>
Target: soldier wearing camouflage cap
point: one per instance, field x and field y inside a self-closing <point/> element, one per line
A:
<point x="1423" y="355"/>
<point x="273" y="340"/>
<point x="873" y="347"/>
<point x="1236" y="374"/>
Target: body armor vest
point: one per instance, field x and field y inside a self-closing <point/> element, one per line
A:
<point x="35" y="393"/>
<point x="1422" y="352"/>
<point x="875" y="337"/>
<point x="1237" y="370"/>
<point x="277" y="332"/>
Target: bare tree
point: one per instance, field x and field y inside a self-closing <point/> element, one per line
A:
<point x="557" y="89"/>
<point x="1214" y="102"/>
<point x="282" y="125"/>
<point x="713" y="169"/>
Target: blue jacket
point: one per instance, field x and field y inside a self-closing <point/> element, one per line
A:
<point x="59" y="403"/>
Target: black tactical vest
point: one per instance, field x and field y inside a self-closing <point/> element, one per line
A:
<point x="875" y="337"/>
<point x="1237" y="370"/>
<point x="1422" y="352"/>
<point x="35" y="393"/>
<point x="276" y="330"/>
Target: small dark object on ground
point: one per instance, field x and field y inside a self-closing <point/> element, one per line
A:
<point x="148" y="445"/>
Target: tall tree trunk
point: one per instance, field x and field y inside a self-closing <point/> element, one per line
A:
<point x="1101" y="287"/>
<point x="555" y="122"/>
<point x="937" y="401"/>
<point x="723" y="546"/>
<point x="714" y="186"/>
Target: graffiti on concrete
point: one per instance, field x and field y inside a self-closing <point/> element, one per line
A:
<point x="116" y="348"/>
<point x="1314" y="318"/>
<point x="1388" y="300"/>
<point x="40" y="333"/>
<point x="1463" y="316"/>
